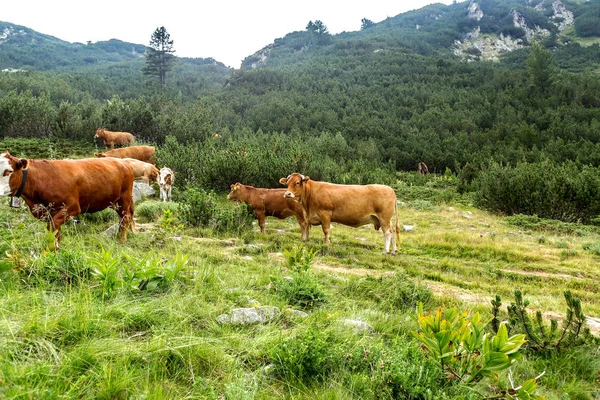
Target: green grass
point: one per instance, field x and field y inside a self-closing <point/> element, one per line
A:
<point x="64" y="335"/>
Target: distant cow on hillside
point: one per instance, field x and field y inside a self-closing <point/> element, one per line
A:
<point x="422" y="168"/>
<point x="114" y="138"/>
<point x="142" y="153"/>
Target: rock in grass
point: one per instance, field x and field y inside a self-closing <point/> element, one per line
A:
<point x="359" y="326"/>
<point x="247" y="316"/>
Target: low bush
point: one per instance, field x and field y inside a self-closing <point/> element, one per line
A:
<point x="568" y="192"/>
<point x="152" y="211"/>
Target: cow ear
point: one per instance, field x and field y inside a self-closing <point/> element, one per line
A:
<point x="21" y="163"/>
<point x="283" y="181"/>
<point x="305" y="178"/>
<point x="232" y="186"/>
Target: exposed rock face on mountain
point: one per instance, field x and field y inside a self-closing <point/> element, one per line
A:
<point x="475" y="11"/>
<point x="489" y="46"/>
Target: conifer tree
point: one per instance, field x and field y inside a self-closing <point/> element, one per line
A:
<point x="159" y="55"/>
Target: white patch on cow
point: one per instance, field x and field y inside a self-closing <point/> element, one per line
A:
<point x="165" y="188"/>
<point x="5" y="172"/>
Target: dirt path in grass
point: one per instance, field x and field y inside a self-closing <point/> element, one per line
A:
<point x="352" y="271"/>
<point x="454" y="292"/>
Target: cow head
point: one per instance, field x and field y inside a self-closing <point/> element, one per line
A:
<point x="99" y="155"/>
<point x="99" y="133"/>
<point x="166" y="177"/>
<point x="235" y="192"/>
<point x="296" y="184"/>
<point x="8" y="165"/>
<point x="154" y="174"/>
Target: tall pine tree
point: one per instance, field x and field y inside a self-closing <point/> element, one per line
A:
<point x="159" y="55"/>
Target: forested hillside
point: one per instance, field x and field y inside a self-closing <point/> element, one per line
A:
<point x="355" y="107"/>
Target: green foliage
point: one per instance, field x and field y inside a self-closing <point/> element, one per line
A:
<point x="5" y="262"/>
<point x="299" y="258"/>
<point x="61" y="268"/>
<point x="566" y="192"/>
<point x="198" y="207"/>
<point x="304" y="356"/>
<point x="540" y="337"/>
<point x="465" y="353"/>
<point x="152" y="211"/>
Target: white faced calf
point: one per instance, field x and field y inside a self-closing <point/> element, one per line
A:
<point x="165" y="182"/>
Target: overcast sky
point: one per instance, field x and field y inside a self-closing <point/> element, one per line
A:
<point x="227" y="31"/>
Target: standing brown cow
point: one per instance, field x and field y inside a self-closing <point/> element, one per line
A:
<point x="57" y="190"/>
<point x="422" y="168"/>
<point x="352" y="205"/>
<point x="114" y="138"/>
<point x="268" y="203"/>
<point x="142" y="153"/>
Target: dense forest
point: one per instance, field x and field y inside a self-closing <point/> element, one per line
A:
<point x="352" y="108"/>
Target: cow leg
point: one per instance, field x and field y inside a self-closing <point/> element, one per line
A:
<point x="326" y="225"/>
<point x="58" y="218"/>
<point x="304" y="227"/>
<point x="125" y="211"/>
<point x="261" y="220"/>
<point x="169" y="193"/>
<point x="389" y="239"/>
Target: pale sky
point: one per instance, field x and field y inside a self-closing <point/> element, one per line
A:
<point x="227" y="31"/>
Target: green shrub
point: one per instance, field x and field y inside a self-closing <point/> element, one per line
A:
<point x="198" y="207"/>
<point x="567" y="192"/>
<point x="301" y="290"/>
<point x="152" y="211"/>
<point x="65" y="267"/>
<point x="235" y="220"/>
<point x="305" y="356"/>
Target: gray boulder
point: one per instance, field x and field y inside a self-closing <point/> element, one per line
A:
<point x="141" y="189"/>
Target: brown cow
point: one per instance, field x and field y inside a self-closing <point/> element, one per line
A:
<point x="59" y="189"/>
<point x="114" y="138"/>
<point x="352" y="205"/>
<point x="142" y="153"/>
<point x="422" y="168"/>
<point x="142" y="171"/>
<point x="268" y="203"/>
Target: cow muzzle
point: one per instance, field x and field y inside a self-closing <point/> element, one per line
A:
<point x="288" y="195"/>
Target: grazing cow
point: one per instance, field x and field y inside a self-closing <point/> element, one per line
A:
<point x="59" y="189"/>
<point x="352" y="205"/>
<point x="142" y="171"/>
<point x="422" y="168"/>
<point x="114" y="138"/>
<point x="166" y="179"/>
<point x="268" y="203"/>
<point x="142" y="153"/>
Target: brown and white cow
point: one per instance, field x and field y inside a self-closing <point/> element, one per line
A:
<point x="352" y="205"/>
<point x="268" y="203"/>
<point x="142" y="153"/>
<point x="142" y="171"/>
<point x="166" y="178"/>
<point x="111" y="138"/>
<point x="57" y="190"/>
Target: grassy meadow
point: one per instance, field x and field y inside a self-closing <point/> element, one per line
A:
<point x="140" y="320"/>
